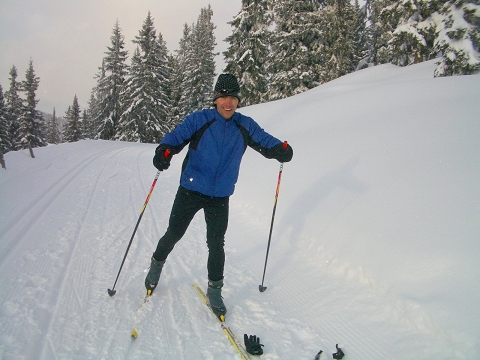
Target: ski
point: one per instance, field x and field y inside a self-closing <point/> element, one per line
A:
<point x="224" y="326"/>
<point x="146" y="299"/>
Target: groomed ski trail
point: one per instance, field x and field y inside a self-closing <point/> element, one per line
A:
<point x="75" y="318"/>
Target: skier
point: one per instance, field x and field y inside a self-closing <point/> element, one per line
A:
<point x="217" y="140"/>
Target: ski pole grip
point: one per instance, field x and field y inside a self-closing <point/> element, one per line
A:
<point x="166" y="154"/>
<point x="285" y="144"/>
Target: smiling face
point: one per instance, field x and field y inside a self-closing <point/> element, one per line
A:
<point x="226" y="106"/>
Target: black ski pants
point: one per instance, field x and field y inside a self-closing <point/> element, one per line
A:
<point x="187" y="203"/>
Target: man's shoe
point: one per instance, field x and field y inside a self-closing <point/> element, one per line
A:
<point x="214" y="297"/>
<point x="153" y="275"/>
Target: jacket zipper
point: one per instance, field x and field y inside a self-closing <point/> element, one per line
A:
<point x="225" y="124"/>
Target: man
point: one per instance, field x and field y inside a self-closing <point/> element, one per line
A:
<point x="217" y="140"/>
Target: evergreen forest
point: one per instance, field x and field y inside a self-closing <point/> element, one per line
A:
<point x="277" y="48"/>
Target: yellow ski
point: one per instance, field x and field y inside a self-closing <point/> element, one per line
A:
<point x="225" y="328"/>
<point x="134" y="332"/>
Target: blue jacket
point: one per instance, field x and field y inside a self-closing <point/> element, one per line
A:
<point x="216" y="148"/>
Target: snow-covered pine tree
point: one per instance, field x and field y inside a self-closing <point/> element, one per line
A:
<point x="107" y="127"/>
<point x="205" y="47"/>
<point x="145" y="118"/>
<point x="14" y="104"/>
<point x="197" y="87"/>
<point x="94" y="111"/>
<point x="296" y="48"/>
<point x="85" y="123"/>
<point x="177" y="73"/>
<point x="53" y="132"/>
<point x="248" y="50"/>
<point x="171" y="88"/>
<point x="131" y="126"/>
<point x="413" y="39"/>
<point x="5" y="144"/>
<point x="183" y="73"/>
<point x="31" y="124"/>
<point x="67" y="132"/>
<point x="72" y="130"/>
<point x="458" y="38"/>
<point x="419" y="30"/>
<point x="360" y="37"/>
<point x="379" y="30"/>
<point x="338" y="22"/>
<point x="110" y="85"/>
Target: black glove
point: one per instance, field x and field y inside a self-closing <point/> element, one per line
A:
<point x="282" y="152"/>
<point x="162" y="157"/>
<point x="339" y="354"/>
<point x="252" y="344"/>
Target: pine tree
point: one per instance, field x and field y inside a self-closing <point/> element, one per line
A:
<point x="53" y="133"/>
<point x="413" y="39"/>
<point x="179" y="73"/>
<point x="31" y="123"/>
<point x="131" y="126"/>
<point x="419" y="30"/>
<point x="360" y="37"/>
<point x="85" y="122"/>
<point x="380" y="29"/>
<point x="338" y="21"/>
<point x="14" y="106"/>
<point x="458" y="38"/>
<point x="5" y="144"/>
<point x="106" y="128"/>
<point x="111" y="84"/>
<point x="176" y="78"/>
<point x="296" y="48"/>
<point x="145" y="118"/>
<point x="186" y="62"/>
<point x="205" y="46"/>
<point x="248" y="50"/>
<point x="197" y="87"/>
<point x="72" y="130"/>
<point x="94" y="113"/>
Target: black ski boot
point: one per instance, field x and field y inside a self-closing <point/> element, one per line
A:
<point x="214" y="297"/>
<point x="153" y="275"/>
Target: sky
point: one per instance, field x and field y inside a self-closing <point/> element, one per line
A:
<point x="67" y="39"/>
<point x="374" y="247"/>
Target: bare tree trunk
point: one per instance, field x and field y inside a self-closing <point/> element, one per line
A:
<point x="2" y="160"/>
<point x="31" y="150"/>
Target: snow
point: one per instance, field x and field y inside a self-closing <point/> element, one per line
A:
<point x="375" y="244"/>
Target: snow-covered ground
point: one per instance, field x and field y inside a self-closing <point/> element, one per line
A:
<point x="375" y="246"/>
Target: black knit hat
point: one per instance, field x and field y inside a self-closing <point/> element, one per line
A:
<point x="227" y="85"/>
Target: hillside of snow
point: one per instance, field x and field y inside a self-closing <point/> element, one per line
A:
<point x="375" y="244"/>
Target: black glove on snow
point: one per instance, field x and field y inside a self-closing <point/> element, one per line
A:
<point x="282" y="152"/>
<point x="252" y="344"/>
<point x="162" y="157"/>
<point x="339" y="354"/>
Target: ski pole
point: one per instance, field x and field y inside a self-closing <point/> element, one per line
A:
<point x="261" y="287"/>
<point x="112" y="291"/>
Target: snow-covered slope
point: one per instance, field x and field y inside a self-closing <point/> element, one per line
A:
<point x="375" y="244"/>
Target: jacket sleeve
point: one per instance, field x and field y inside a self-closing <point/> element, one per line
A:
<point x="179" y="137"/>
<point x="254" y="136"/>
<point x="261" y="141"/>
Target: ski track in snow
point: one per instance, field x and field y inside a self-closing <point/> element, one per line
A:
<point x="68" y="216"/>
<point x="333" y="322"/>
<point x="81" y="257"/>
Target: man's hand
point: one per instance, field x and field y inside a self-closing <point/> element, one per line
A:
<point x="282" y="152"/>
<point x="162" y="158"/>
